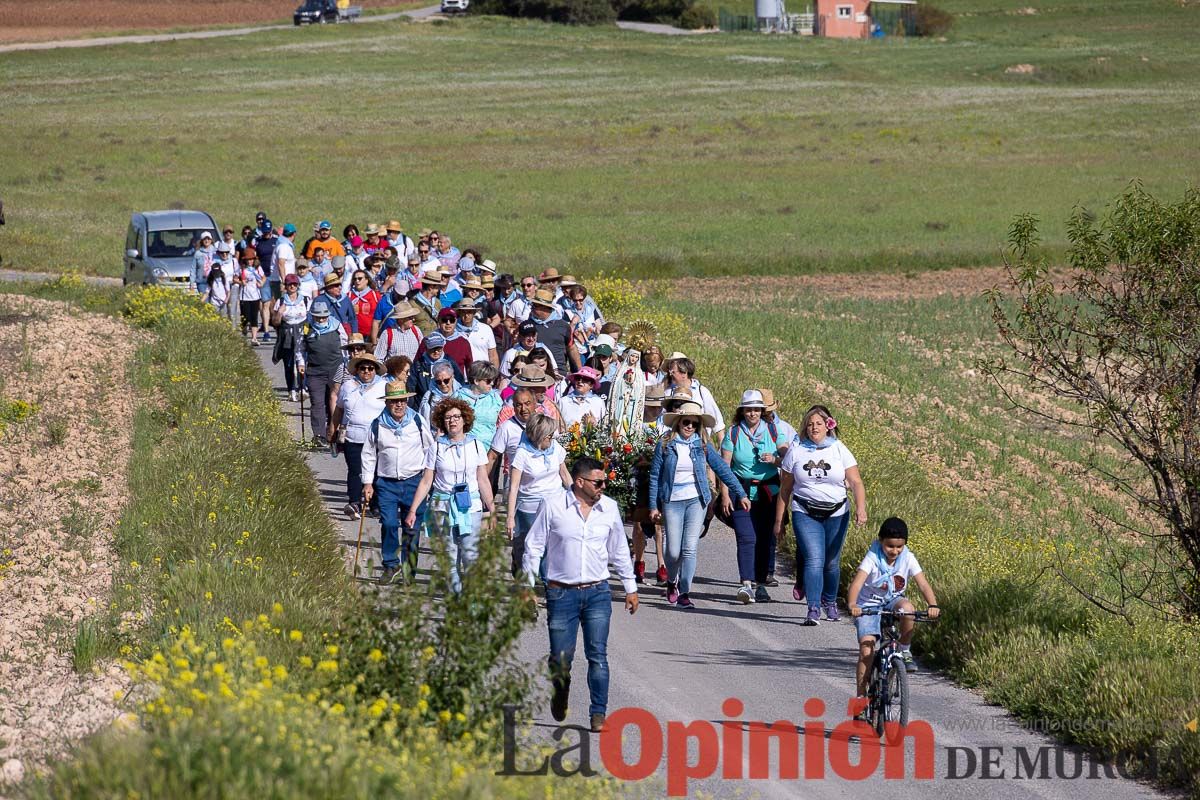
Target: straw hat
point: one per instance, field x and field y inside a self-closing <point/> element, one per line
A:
<point x="355" y="340"/>
<point x="548" y="275"/>
<point x="487" y="265"/>
<point x="568" y="281"/>
<point x="466" y="307"/>
<point x="768" y="398"/>
<point x="372" y="230"/>
<point x="655" y="394"/>
<point x="393" y="225"/>
<point x="332" y="278"/>
<point x="752" y="398"/>
<point x="674" y="356"/>
<point x="396" y="390"/>
<point x="425" y="232"/>
<point x="472" y="282"/>
<point x="405" y="310"/>
<point x="689" y="408"/>
<point x="543" y="297"/>
<point x="433" y="277"/>
<point x="676" y="397"/>
<point x="532" y="377"/>
<point x="367" y="358"/>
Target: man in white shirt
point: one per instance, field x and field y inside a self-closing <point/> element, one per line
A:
<point x="581" y="533"/>
<point x="483" y="341"/>
<point x="509" y="433"/>
<point x="393" y="462"/>
<point x="283" y="262"/>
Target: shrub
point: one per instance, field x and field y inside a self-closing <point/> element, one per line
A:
<point x="932" y="21"/>
<point x="698" y="18"/>
<point x="667" y="11"/>
<point x="582" y="12"/>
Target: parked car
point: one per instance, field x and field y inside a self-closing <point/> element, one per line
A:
<point x="313" y="11"/>
<point x="160" y="245"/>
<point x="455" y="6"/>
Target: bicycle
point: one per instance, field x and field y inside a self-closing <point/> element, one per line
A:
<point x="887" y="683"/>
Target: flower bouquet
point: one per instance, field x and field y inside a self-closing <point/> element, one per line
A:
<point x="619" y="449"/>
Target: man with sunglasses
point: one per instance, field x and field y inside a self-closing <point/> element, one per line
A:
<point x="360" y="401"/>
<point x="514" y="302"/>
<point x="581" y="533"/>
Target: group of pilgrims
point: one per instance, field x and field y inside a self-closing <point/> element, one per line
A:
<point x="450" y="388"/>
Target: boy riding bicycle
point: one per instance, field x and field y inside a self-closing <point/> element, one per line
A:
<point x="880" y="582"/>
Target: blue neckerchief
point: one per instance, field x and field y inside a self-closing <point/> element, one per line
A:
<point x="464" y="330"/>
<point x="528" y="447"/>
<point x="391" y="423"/>
<point x="425" y="301"/>
<point x="324" y="327"/>
<point x="691" y="440"/>
<point x="887" y="571"/>
<point x="756" y="438"/>
<point x="575" y="393"/>
<point x="555" y="314"/>
<point x="809" y="444"/>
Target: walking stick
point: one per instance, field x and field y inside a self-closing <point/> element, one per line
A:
<point x="358" y="545"/>
<point x="302" y="382"/>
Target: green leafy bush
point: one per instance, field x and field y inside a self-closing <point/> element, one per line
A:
<point x="932" y="21"/>
<point x="698" y="18"/>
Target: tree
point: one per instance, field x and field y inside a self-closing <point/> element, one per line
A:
<point x="1119" y="338"/>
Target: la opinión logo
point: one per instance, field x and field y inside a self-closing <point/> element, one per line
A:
<point x="736" y="748"/>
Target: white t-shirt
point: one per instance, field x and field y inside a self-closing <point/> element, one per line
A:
<point x="508" y="437"/>
<point x="309" y="286"/>
<point x="539" y="476"/>
<point x="819" y="474"/>
<point x="283" y="261"/>
<point x="251" y="291"/>
<point x="453" y="464"/>
<point x="683" y="486"/>
<point x="482" y="340"/>
<point x="875" y="589"/>
<point x="574" y="408"/>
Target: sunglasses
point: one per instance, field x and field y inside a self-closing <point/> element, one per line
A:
<point x="688" y="423"/>
<point x="599" y="483"/>
<point x="528" y="285"/>
<point x="367" y="366"/>
<point x="445" y="382"/>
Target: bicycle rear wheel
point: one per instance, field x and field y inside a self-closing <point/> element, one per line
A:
<point x="894" y="702"/>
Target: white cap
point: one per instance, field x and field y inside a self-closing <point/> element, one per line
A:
<point x="205" y="234"/>
<point x="604" y="338"/>
<point x="223" y="247"/>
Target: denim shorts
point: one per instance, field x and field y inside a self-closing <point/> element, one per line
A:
<point x="868" y="624"/>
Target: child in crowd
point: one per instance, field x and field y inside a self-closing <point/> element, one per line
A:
<point x="880" y="582"/>
<point x="218" y="290"/>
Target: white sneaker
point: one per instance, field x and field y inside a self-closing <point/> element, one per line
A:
<point x="292" y="395"/>
<point x="745" y="595"/>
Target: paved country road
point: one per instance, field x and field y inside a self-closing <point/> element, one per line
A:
<point x="681" y="666"/>
<point x="147" y="38"/>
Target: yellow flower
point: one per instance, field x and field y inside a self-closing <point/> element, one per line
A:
<point x="327" y="666"/>
<point x="208" y="596"/>
<point x="332" y="649"/>
<point x="376" y="655"/>
<point x="296" y="636"/>
<point x="277" y="608"/>
<point x="306" y="662"/>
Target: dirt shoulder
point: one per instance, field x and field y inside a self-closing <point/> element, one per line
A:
<point x="64" y="451"/>
<point x="961" y="282"/>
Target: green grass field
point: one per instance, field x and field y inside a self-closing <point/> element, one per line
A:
<point x="593" y="148"/>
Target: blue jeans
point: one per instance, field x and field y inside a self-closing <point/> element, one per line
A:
<point x="819" y="548"/>
<point x="683" y="520"/>
<point x="565" y="610"/>
<point x="395" y="501"/>
<point x="462" y="548"/>
<point x="524" y="523"/>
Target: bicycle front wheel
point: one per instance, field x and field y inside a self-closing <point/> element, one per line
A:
<point x="894" y="706"/>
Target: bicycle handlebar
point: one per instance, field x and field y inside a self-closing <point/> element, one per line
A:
<point x="919" y="616"/>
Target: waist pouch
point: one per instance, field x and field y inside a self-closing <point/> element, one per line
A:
<point x="819" y="509"/>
